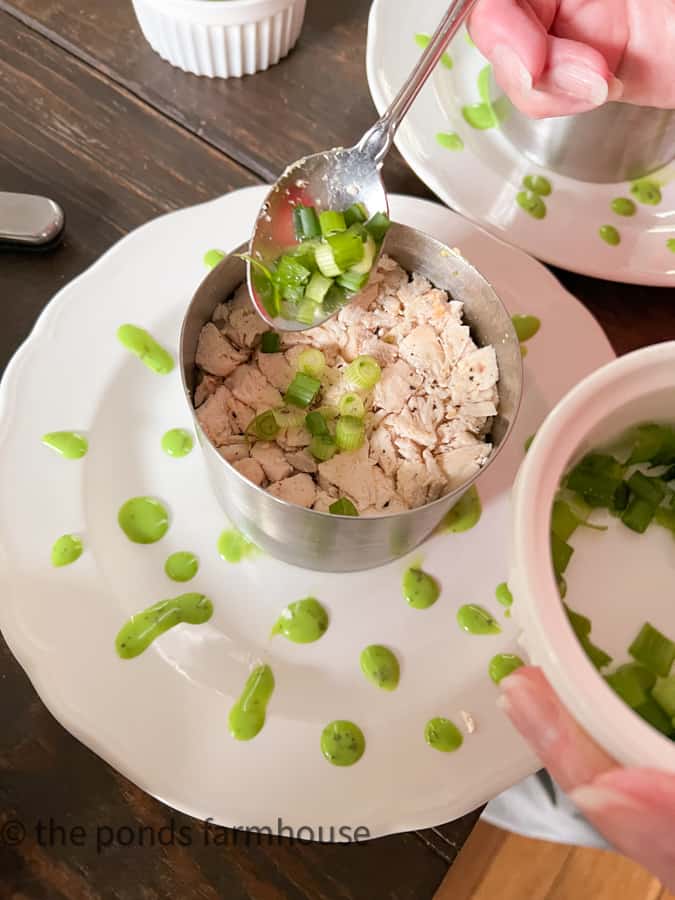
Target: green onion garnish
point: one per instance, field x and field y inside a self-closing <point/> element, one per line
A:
<point x="265" y="285"/>
<point x="343" y="507"/>
<point x="325" y="260"/>
<point x="306" y="223"/>
<point x="347" y="248"/>
<point x="288" y="417"/>
<point x="561" y="553"/>
<point x="270" y="342"/>
<point x="664" y="694"/>
<point x="627" y="685"/>
<point x="650" y="490"/>
<point x="213" y="257"/>
<point x="318" y="287"/>
<point x="563" y="521"/>
<point x="352" y="281"/>
<point x="352" y="405"/>
<point x="264" y="426"/>
<point x="598" y="657"/>
<point x="316" y="424"/>
<point x="331" y="222"/>
<point x="665" y="518"/>
<point x="306" y="312"/>
<point x="654" y="650"/>
<point x="312" y="362"/>
<point x="302" y="390"/>
<point x="291" y="273"/>
<point x="334" y="299"/>
<point x="378" y="226"/>
<point x="328" y="412"/>
<point x="646" y="678"/>
<point x="620" y="498"/>
<point x="581" y="625"/>
<point x="355" y="214"/>
<point x="654" y="444"/>
<point x="350" y="433"/>
<point x="322" y="447"/>
<point x="638" y="514"/>
<point x="364" y="372"/>
<point x="596" y="478"/>
<point x="651" y="712"/>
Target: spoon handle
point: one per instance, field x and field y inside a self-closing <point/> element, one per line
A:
<point x="377" y="141"/>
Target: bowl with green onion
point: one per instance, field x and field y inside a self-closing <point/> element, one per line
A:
<point x="593" y="566"/>
<point x="338" y="538"/>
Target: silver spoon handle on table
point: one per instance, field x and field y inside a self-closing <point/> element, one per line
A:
<point x="29" y="222"/>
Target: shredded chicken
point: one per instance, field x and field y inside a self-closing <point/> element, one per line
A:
<point x="427" y="419"/>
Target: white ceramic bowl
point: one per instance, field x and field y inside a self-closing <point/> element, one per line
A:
<point x="639" y="387"/>
<point x="221" y="38"/>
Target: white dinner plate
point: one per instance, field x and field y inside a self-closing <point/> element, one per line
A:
<point x="162" y="719"/>
<point x="482" y="180"/>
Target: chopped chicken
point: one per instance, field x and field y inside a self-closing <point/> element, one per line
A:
<point x="427" y="420"/>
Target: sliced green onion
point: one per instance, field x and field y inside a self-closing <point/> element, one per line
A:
<point x="598" y="657"/>
<point x="264" y="284"/>
<point x="378" y="226"/>
<point x="343" y="507"/>
<point x="561" y="553"/>
<point x="213" y="257"/>
<point x="325" y="260"/>
<point x="665" y="518"/>
<point x="628" y="686"/>
<point x="288" y="417"/>
<point x="332" y="221"/>
<point x="638" y="515"/>
<point x="264" y="426"/>
<point x="328" y="412"/>
<point x="646" y="678"/>
<point x="350" y="433"/>
<point x="306" y="223"/>
<point x="664" y="694"/>
<point x="352" y="405"/>
<point x="563" y="521"/>
<point x="306" y="312"/>
<point x="290" y="273"/>
<point x="304" y="254"/>
<point x="369" y="254"/>
<point x="356" y="213"/>
<point x="302" y="390"/>
<point x="654" y="444"/>
<point x="581" y="625"/>
<point x="654" y="650"/>
<point x="334" y="299"/>
<point x="270" y="342"/>
<point x="669" y="475"/>
<point x="316" y="424"/>
<point x="294" y="294"/>
<point x="649" y="489"/>
<point x="620" y="498"/>
<point x="596" y="478"/>
<point x="561" y="583"/>
<point x="347" y="249"/>
<point x="318" y="287"/>
<point x="322" y="447"/>
<point x="364" y="372"/>
<point x="312" y="362"/>
<point x="352" y="281"/>
<point x="651" y="712"/>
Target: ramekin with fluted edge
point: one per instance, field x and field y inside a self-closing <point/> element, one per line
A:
<point x="636" y="388"/>
<point x="221" y="38"/>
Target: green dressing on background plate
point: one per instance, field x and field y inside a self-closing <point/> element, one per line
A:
<point x="476" y="620"/>
<point x="233" y="546"/>
<point x="646" y="191"/>
<point x="380" y="667"/>
<point x="443" y="735"/>
<point x="142" y="629"/>
<point x="302" y="622"/>
<point x="610" y="235"/>
<point x="422" y="40"/>
<point x="532" y="204"/>
<point x="526" y="326"/>
<point x="420" y="589"/>
<point x="465" y="514"/>
<point x="66" y="550"/>
<point x="68" y="444"/>
<point x="143" y="345"/>
<point x="177" y="442"/>
<point x="144" y="520"/>
<point x="502" y="665"/>
<point x="538" y="185"/>
<point x="623" y="206"/>
<point x="449" y="140"/>
<point x="247" y="716"/>
<point x="181" y="566"/>
<point x="342" y="743"/>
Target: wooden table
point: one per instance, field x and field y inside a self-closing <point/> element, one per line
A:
<point x="93" y="118"/>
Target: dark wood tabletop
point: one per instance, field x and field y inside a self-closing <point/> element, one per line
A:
<point x="91" y="117"/>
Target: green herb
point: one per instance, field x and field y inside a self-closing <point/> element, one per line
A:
<point x="343" y="507"/>
<point x="302" y="390"/>
<point x="270" y="342"/>
<point x="322" y="447"/>
<point x="316" y="424"/>
<point x="350" y="433"/>
<point x="654" y="650"/>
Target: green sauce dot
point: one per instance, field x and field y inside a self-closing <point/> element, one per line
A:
<point x="302" y="622"/>
<point x="476" y="620"/>
<point x="68" y="444"/>
<point x="670" y="244"/>
<point x="144" y="520"/>
<point x="532" y="204"/>
<point x="247" y="716"/>
<point x="526" y="326"/>
<point x="177" y="442"/>
<point x="538" y="185"/>
<point x="504" y="595"/>
<point x="141" y="630"/>
<point x="443" y="735"/>
<point x="181" y="566"/>
<point x="528" y="442"/>
<point x="420" y="589"/>
<point x="502" y="665"/>
<point x="450" y="140"/>
<point x="213" y="257"/>
<point x="464" y="515"/>
<point x="422" y="40"/>
<point x="646" y="191"/>
<point x="342" y="743"/>
<point x="624" y="206"/>
<point x="610" y="235"/>
<point x="142" y="344"/>
<point x="233" y="546"/>
<point x="66" y="550"/>
<point x="381" y="667"/>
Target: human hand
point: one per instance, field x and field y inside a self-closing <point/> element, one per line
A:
<point x="559" y="57"/>
<point x="633" y="808"/>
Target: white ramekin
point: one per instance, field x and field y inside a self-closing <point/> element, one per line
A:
<point x="636" y="388"/>
<point x="221" y="38"/>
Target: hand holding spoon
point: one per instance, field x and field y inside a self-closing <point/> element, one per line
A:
<point x="334" y="180"/>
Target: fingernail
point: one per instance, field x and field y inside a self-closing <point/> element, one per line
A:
<point x="581" y="82"/>
<point x="531" y="711"/>
<point x="591" y="799"/>
<point x="510" y="67"/>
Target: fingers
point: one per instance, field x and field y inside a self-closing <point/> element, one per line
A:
<point x="635" y="810"/>
<point x="569" y="754"/>
<point x="601" y="24"/>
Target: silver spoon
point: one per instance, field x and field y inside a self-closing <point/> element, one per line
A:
<point x="335" y="179"/>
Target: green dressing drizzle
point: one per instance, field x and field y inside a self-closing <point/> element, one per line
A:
<point x="233" y="546"/>
<point x="450" y="140"/>
<point x="482" y="115"/>
<point x="623" y="206"/>
<point x="144" y="520"/>
<point x="504" y="595"/>
<point x="477" y="620"/>
<point x="302" y="622"/>
<point x="177" y="442"/>
<point x="420" y="589"/>
<point x="538" y="185"/>
<point x="526" y="326"/>
<point x="342" y="743"/>
<point x="670" y="244"/>
<point x="140" y="631"/>
<point x="646" y="191"/>
<point x="610" y="235"/>
<point x="247" y="716"/>
<point x="213" y="257"/>
<point x="181" y="566"/>
<point x="443" y="735"/>
<point x="68" y="444"/>
<point x="465" y="514"/>
<point x="142" y="344"/>
<point x="381" y="667"/>
<point x="502" y="665"/>
<point x="532" y="204"/>
<point x="66" y="550"/>
<point x="422" y="40"/>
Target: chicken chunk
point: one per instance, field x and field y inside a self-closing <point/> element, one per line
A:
<point x="276" y="369"/>
<point x="207" y="386"/>
<point x="351" y="474"/>
<point x="242" y="324"/>
<point x="234" y="452"/>
<point x="382" y="450"/>
<point x="272" y="459"/>
<point x="251" y="387"/>
<point x="214" y="416"/>
<point x="215" y="354"/>
<point x="462" y="463"/>
<point x="251" y="469"/>
<point x="475" y="372"/>
<point x="303" y="461"/>
<point x="298" y="489"/>
<point x="422" y="350"/>
<point x="395" y="387"/>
